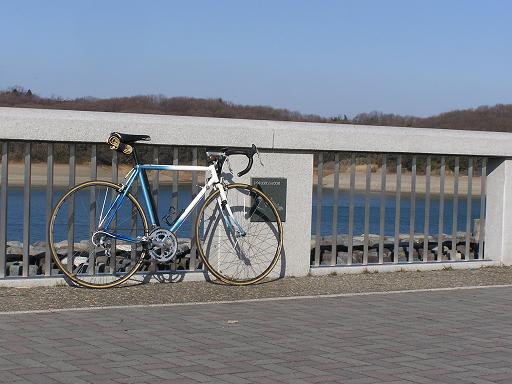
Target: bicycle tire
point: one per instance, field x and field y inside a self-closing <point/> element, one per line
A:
<point x="113" y="270"/>
<point x="269" y="232"/>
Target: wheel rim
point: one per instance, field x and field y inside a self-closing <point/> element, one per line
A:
<point x="240" y="260"/>
<point x="85" y="259"/>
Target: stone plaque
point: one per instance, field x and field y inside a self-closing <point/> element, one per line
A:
<point x="275" y="188"/>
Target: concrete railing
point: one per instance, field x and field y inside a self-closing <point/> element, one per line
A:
<point x="288" y="151"/>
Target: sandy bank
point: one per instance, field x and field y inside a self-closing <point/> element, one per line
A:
<point x="83" y="173"/>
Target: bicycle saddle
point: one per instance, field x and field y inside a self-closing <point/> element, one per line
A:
<point x="128" y="138"/>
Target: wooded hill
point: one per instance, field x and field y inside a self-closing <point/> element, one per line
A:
<point x="484" y="118"/>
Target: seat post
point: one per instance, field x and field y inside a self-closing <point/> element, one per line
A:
<point x="134" y="155"/>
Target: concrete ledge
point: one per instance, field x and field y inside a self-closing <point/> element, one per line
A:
<point x="42" y="281"/>
<point x="429" y="266"/>
<point x="185" y="276"/>
<point x="63" y="125"/>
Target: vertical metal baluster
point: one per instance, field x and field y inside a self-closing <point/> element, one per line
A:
<point x="351" y="207"/>
<point x="412" y="212"/>
<point x="367" y="209"/>
<point x="440" y="237"/>
<point x="154" y="192"/>
<point x="49" y="207"/>
<point x="469" y="198"/>
<point x="175" y="185"/>
<point x="483" y="193"/>
<point x="175" y="182"/>
<point x="156" y="177"/>
<point x="3" y="206"/>
<point x="334" y="246"/>
<point x="320" y="171"/>
<point x="426" y="228"/>
<point x="204" y="179"/>
<point x="26" y="210"/>
<point x="115" y="167"/>
<point x="134" y="215"/>
<point x="193" y="247"/>
<point x="396" y="245"/>
<point x="455" y="211"/>
<point x="71" y="208"/>
<point x="91" y="270"/>
<point x="383" y="173"/>
<point x="115" y="178"/>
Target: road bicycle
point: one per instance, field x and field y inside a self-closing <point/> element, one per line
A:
<point x="100" y="234"/>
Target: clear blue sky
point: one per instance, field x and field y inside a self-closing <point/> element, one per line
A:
<point x="324" y="57"/>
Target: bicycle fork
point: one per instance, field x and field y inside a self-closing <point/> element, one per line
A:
<point x="227" y="214"/>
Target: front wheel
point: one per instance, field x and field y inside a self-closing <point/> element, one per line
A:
<point x="95" y="234"/>
<point x="243" y="247"/>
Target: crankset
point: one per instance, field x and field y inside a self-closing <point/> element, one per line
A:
<point x="163" y="245"/>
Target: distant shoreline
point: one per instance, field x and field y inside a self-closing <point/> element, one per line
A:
<point x="83" y="173"/>
<point x="406" y="183"/>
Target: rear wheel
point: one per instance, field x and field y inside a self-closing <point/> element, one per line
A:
<point x="246" y="251"/>
<point x="86" y="255"/>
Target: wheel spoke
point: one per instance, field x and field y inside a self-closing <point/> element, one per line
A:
<point x="234" y="258"/>
<point x="98" y="260"/>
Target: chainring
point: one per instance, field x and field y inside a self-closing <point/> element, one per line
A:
<point x="163" y="245"/>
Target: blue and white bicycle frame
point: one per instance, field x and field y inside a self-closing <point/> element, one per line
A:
<point x="139" y="172"/>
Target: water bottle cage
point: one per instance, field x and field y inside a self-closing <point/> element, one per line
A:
<point x="172" y="211"/>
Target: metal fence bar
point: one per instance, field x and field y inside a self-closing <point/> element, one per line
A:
<point x="320" y="176"/>
<point x="92" y="210"/>
<point x="3" y="206"/>
<point x="382" y="213"/>
<point x="367" y="210"/>
<point x="26" y="209"/>
<point x="115" y="178"/>
<point x="94" y="162"/>
<point x="175" y="183"/>
<point x="49" y="207"/>
<point x="351" y="208"/>
<point x="441" y="210"/>
<point x="193" y="248"/>
<point x="469" y="200"/>
<point x="115" y="167"/>
<point x="156" y="177"/>
<point x="154" y="192"/>
<point x="397" y="207"/>
<point x="334" y="246"/>
<point x="455" y="211"/>
<point x="71" y="208"/>
<point x="412" y="213"/>
<point x="426" y="226"/>
<point x="204" y="180"/>
<point x="483" y="193"/>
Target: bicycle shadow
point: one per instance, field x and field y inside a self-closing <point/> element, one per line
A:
<point x="269" y="279"/>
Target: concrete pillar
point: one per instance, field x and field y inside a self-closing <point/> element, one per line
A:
<point x="498" y="221"/>
<point x="297" y="168"/>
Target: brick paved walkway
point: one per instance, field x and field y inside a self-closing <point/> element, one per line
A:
<point x="461" y="336"/>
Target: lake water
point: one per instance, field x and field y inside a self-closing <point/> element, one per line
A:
<point x="38" y="212"/>
<point x="389" y="217"/>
